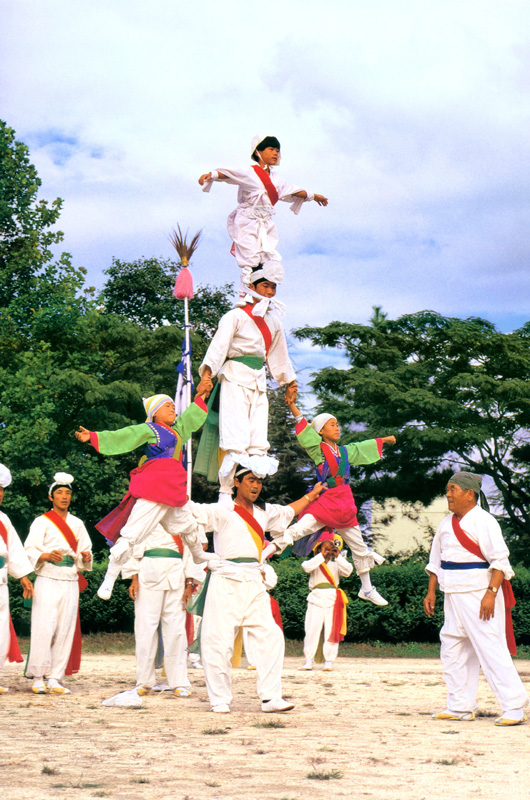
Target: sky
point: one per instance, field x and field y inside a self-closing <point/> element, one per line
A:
<point x="412" y="117"/>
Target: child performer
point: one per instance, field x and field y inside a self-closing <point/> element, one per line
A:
<point x="157" y="490"/>
<point x="250" y="225"/>
<point x="335" y="508"/>
<point x="247" y="338"/>
<point x="326" y="603"/>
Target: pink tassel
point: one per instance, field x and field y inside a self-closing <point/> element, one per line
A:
<point x="183" y="285"/>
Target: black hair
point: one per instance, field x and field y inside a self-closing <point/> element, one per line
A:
<point x="259" y="503"/>
<point x="60" y="486"/>
<point x="268" y="141"/>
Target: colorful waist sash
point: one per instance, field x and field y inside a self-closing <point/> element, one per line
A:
<point x="254" y="362"/>
<point x="67" y="561"/>
<point x="464" y="565"/>
<point x="324" y="586"/>
<point x="162" y="552"/>
<point x="2" y="561"/>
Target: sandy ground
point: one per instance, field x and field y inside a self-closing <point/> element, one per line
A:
<point x="369" y="721"/>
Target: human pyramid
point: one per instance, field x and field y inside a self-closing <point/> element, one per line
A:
<point x="158" y="534"/>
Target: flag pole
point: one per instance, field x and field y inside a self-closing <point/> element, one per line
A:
<point x="183" y="290"/>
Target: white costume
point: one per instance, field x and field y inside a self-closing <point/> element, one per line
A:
<point x="468" y="642"/>
<point x="56" y="596"/>
<point x="250" y="225"/>
<point x="244" y="408"/>
<point x="161" y="578"/>
<point x="13" y="561"/>
<point x="320" y="604"/>
<point x="237" y="598"/>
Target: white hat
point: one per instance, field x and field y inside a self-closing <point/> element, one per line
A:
<point x="320" y="420"/>
<point x="61" y="479"/>
<point x="254" y="143"/>
<point x="271" y="270"/>
<point x="5" y="476"/>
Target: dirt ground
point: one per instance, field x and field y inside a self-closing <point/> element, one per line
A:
<point x="362" y="731"/>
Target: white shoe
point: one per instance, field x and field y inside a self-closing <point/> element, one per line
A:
<point x="3" y="690"/>
<point x="39" y="687"/>
<point x="128" y="699"/>
<point x="307" y="665"/>
<point x="196" y="665"/>
<point x="328" y="666"/>
<point x="455" y="716"/>
<point x="182" y="691"/>
<point x="54" y="687"/>
<point x="222" y="708"/>
<point x="162" y="687"/>
<point x="278" y="705"/>
<point x="105" y="590"/>
<point x="373" y="596"/>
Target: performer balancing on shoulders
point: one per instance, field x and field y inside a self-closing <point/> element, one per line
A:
<point x="157" y="489"/>
<point x="14" y="562"/>
<point x="336" y="508"/>
<point x="58" y="546"/>
<point x="247" y="339"/>
<point x="250" y="225"/>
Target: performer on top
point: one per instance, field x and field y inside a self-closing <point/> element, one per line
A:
<point x="157" y="490"/>
<point x="250" y="225"/>
<point x="326" y="603"/>
<point x="336" y="508"/>
<point x="246" y="339"/>
<point x="58" y="546"/>
<point x="13" y="561"/>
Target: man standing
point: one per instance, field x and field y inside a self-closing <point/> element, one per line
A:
<point x="159" y="568"/>
<point x="236" y="596"/>
<point x="13" y="560"/>
<point x="58" y="546"/>
<point x="469" y="561"/>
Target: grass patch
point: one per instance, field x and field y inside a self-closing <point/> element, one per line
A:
<point x="270" y="723"/>
<point x="213" y="784"/>
<point x="324" y="775"/>
<point x="447" y="762"/>
<point x="140" y="780"/>
<point x="49" y="770"/>
<point x="214" y="731"/>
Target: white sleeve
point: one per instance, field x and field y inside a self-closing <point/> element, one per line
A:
<point x="344" y="566"/>
<point x="18" y="563"/>
<point x="312" y="563"/>
<point x="493" y="546"/>
<point x="278" y="359"/>
<point x="34" y="544"/>
<point x="435" y="557"/>
<point x="207" y="515"/>
<point x="84" y="544"/>
<point x="218" y="350"/>
<point x="278" y="519"/>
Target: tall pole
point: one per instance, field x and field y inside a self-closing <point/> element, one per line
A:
<point x="188" y="379"/>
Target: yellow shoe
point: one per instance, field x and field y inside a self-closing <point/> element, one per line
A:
<point x="54" y="687"/>
<point x="251" y="666"/>
<point x="3" y="690"/>
<point x="181" y="691"/>
<point x="456" y="716"/>
<point x="142" y="690"/>
<point x="503" y="721"/>
<point x="39" y="687"/>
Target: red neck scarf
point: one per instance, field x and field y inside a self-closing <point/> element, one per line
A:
<point x="255" y="529"/>
<point x="74" y="662"/>
<point x="262" y="325"/>
<point x="13" y="653"/>
<point x="265" y="178"/>
<point x="509" y="599"/>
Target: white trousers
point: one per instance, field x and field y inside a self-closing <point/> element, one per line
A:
<point x="363" y="559"/>
<point x="4" y="623"/>
<point x="230" y="605"/>
<point x="469" y="643"/>
<point x="53" y="620"/>
<point x="151" y="608"/>
<point x="144" y="518"/>
<point x="243" y="419"/>
<point x="317" y="618"/>
<point x="254" y="235"/>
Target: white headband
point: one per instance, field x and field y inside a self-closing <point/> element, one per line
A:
<point x="5" y="476"/>
<point x="61" y="479"/>
<point x="320" y="420"/>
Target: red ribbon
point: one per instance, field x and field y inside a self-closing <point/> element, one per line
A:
<point x="265" y="178"/>
<point x="509" y="599"/>
<point x="262" y="325"/>
<point x="13" y="653"/>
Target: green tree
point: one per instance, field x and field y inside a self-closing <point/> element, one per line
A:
<point x="455" y="392"/>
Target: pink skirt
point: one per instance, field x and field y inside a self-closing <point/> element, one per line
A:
<point x="335" y="508"/>
<point x="161" y="480"/>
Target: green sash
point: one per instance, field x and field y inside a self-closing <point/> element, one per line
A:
<point x="67" y="561"/>
<point x="2" y="561"/>
<point x="324" y="586"/>
<point x="162" y="552"/>
<point x="254" y="362"/>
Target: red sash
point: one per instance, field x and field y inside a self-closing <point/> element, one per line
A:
<point x="255" y="529"/>
<point x="262" y="325"/>
<point x="509" y="599"/>
<point x="74" y="662"/>
<point x="340" y="624"/>
<point x="276" y="613"/>
<point x="265" y="178"/>
<point x="13" y="654"/>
